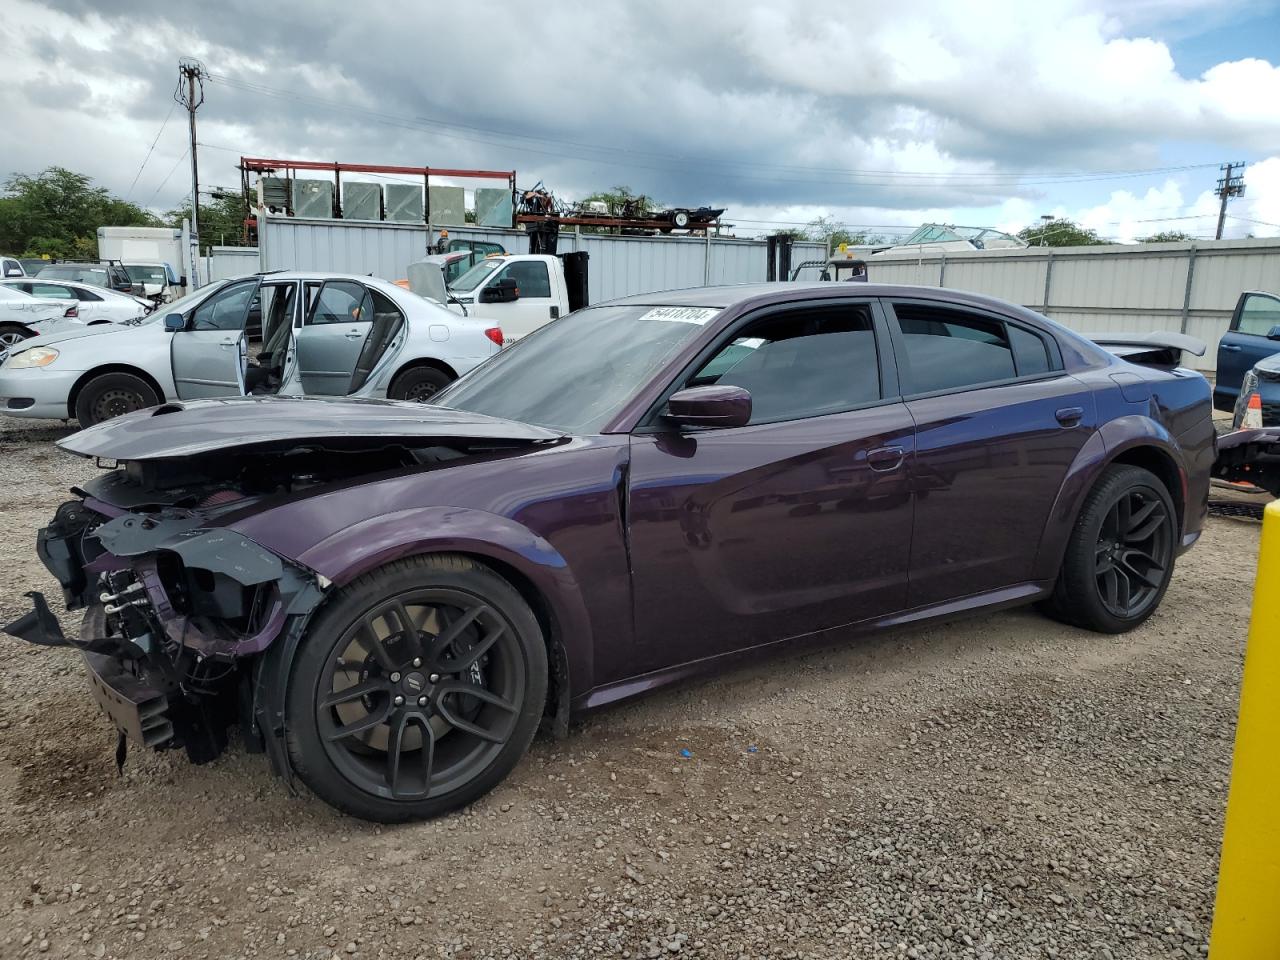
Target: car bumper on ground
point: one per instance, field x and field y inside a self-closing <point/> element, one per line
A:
<point x="36" y="392"/>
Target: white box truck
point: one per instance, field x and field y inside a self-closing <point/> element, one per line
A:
<point x="145" y="246"/>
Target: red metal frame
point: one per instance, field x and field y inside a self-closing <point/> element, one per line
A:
<point x="262" y="165"/>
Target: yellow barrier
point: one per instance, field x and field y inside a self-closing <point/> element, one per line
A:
<point x="1246" y="916"/>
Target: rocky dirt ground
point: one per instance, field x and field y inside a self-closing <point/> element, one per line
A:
<point x="999" y="787"/>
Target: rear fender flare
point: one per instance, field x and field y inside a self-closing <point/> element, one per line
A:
<point x="357" y="549"/>
<point x="1110" y="441"/>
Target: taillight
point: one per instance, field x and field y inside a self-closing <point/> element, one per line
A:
<point x="495" y="334"/>
<point x="73" y="311"/>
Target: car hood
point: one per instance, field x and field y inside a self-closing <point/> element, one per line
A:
<point x="200" y="427"/>
<point x="1269" y="364"/>
<point x="63" y="331"/>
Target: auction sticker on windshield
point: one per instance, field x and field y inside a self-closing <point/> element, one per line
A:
<point x="698" y="315"/>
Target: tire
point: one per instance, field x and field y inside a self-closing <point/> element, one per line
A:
<point x="681" y="219"/>
<point x="418" y="384"/>
<point x="341" y="748"/>
<point x="1120" y="556"/>
<point x="111" y="395"/>
<point x="12" y="334"/>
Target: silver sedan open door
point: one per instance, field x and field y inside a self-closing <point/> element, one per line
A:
<point x="331" y="338"/>
<point x="208" y="354"/>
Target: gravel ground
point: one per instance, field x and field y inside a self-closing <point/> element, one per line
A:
<point x="997" y="787"/>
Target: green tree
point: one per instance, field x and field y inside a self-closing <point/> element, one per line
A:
<point x="620" y="195"/>
<point x="57" y="213"/>
<point x="1060" y="233"/>
<point x="221" y="219"/>
<point x="1167" y="236"/>
<point x="829" y="231"/>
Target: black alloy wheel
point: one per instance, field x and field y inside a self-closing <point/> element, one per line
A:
<point x="418" y="688"/>
<point x="1120" y="554"/>
<point x="420" y="693"/>
<point x="1133" y="551"/>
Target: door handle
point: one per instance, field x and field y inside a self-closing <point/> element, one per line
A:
<point x="353" y="334"/>
<point x="1069" y="416"/>
<point x="884" y="459"/>
<point x="1229" y="347"/>
<point x="225" y="344"/>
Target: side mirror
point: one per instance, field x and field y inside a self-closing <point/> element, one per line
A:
<point x="710" y="406"/>
<point x="174" y="323"/>
<point x="504" y="291"/>
<point x="1274" y="332"/>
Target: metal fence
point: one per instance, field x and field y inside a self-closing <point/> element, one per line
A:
<point x="1186" y="287"/>
<point x="619" y="265"/>
<point x="222" y="263"/>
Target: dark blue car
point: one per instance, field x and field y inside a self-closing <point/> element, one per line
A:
<point x="1254" y="335"/>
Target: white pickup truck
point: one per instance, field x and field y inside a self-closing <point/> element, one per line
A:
<point x="521" y="292"/>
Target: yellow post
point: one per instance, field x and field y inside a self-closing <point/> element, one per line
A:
<point x="1246" y="916"/>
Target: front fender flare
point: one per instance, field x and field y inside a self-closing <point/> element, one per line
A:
<point x="355" y="550"/>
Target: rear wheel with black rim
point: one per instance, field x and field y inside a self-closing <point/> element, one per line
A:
<point x="1120" y="557"/>
<point x="111" y="395"/>
<point x="417" y="690"/>
<point x="418" y="384"/>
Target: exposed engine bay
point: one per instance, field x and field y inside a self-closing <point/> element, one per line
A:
<point x="188" y="626"/>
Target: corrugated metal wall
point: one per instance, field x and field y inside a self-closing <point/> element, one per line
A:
<point x="226" y="262"/>
<point x="1188" y="287"/>
<point x="619" y="266"/>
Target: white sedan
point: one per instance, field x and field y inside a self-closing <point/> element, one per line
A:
<point x="323" y="334"/>
<point x="96" y="304"/>
<point x="22" y="315"/>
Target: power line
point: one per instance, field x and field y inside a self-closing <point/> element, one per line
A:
<point x="171" y="172"/>
<point x="627" y="157"/>
<point x="150" y="149"/>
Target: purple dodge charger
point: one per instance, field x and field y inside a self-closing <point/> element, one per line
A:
<point x="389" y="598"/>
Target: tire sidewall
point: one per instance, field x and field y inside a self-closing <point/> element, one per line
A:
<point x="90" y="391"/>
<point x="406" y="381"/>
<point x="1079" y="564"/>
<point x="307" y="752"/>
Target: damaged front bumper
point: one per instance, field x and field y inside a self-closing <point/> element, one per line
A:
<point x="177" y="614"/>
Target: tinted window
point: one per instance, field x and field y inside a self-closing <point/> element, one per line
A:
<point x="1030" y="352"/>
<point x="1259" y="315"/>
<point x="342" y="301"/>
<point x="51" y="290"/>
<point x="801" y="363"/>
<point x="12" y="268"/>
<point x="947" y="350"/>
<point x="87" y="295"/>
<point x="226" y="309"/>
<point x="530" y="277"/>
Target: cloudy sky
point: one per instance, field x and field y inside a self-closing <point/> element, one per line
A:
<point x="878" y="114"/>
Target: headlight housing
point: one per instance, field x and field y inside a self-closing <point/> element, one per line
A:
<point x="33" y="357"/>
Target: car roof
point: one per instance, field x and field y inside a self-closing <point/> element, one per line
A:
<point x="763" y="294"/>
<point x="92" y="288"/>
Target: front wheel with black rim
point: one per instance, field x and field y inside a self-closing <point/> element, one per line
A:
<point x="111" y="395"/>
<point x="1119" y="559"/>
<point x="418" y="384"/>
<point x="417" y="689"/>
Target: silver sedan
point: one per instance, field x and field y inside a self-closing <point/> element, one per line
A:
<point x="323" y="334"/>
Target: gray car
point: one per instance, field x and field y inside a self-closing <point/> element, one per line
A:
<point x="324" y="334"/>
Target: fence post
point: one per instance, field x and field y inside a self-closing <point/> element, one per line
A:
<point x="942" y="270"/>
<point x="1186" y="296"/>
<point x="1246" y="922"/>
<point x="1048" y="276"/>
<point x="706" y="258"/>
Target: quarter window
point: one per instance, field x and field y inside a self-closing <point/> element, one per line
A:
<point x="51" y="290"/>
<point x="802" y="363"/>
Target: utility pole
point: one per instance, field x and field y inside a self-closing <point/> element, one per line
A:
<point x="190" y="94"/>
<point x="1230" y="185"/>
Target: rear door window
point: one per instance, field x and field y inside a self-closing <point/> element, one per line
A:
<point x="341" y="301"/>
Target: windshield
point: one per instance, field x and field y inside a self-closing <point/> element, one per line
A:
<point x="576" y="373"/>
<point x="146" y="274"/>
<point x="475" y="276"/>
